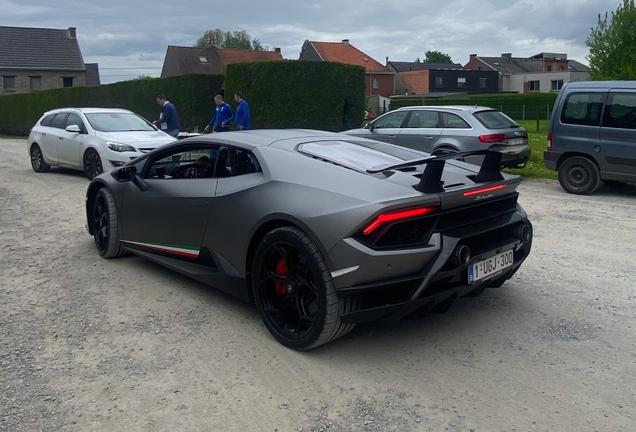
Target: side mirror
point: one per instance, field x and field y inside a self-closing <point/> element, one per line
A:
<point x="73" y="129"/>
<point x="369" y="126"/>
<point x="125" y="174"/>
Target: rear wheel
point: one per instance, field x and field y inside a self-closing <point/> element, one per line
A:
<point x="105" y="225"/>
<point x="37" y="160"/>
<point x="92" y="164"/>
<point x="579" y="175"/>
<point x="294" y="291"/>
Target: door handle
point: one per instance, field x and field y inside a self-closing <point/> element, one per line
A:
<point x="427" y="137"/>
<point x="391" y="137"/>
<point x="43" y="133"/>
<point x="198" y="203"/>
<point x="61" y="137"/>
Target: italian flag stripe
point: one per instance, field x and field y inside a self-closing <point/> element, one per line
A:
<point x="186" y="251"/>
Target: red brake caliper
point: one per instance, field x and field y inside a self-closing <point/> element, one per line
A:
<point x="281" y="270"/>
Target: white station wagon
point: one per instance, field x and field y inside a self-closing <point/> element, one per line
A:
<point x="91" y="139"/>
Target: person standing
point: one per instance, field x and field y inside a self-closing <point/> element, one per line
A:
<point x="242" y="118"/>
<point x="168" y="120"/>
<point x="222" y="115"/>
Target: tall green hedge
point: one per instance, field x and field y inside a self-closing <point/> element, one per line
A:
<point x="191" y="94"/>
<point x="300" y="94"/>
<point x="518" y="106"/>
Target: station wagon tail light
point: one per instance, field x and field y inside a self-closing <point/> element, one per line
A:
<point x="484" y="190"/>
<point x="492" y="138"/>
<point x="549" y="142"/>
<point x="396" y="216"/>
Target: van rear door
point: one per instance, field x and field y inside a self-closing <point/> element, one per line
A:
<point x="618" y="135"/>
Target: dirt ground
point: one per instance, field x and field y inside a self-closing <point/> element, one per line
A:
<point x="92" y="344"/>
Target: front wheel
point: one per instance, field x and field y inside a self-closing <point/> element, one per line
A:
<point x="579" y="175"/>
<point x="37" y="160"/>
<point x="294" y="291"/>
<point x="105" y="225"/>
<point x="92" y="164"/>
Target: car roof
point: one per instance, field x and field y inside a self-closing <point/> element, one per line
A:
<point x="89" y="110"/>
<point x="605" y="85"/>
<point x="466" y="108"/>
<point x="262" y="137"/>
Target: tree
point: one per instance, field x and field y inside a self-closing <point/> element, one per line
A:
<point x="437" y="57"/>
<point x="612" y="45"/>
<point x="234" y="40"/>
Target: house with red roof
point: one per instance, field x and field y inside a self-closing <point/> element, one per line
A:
<point x="380" y="80"/>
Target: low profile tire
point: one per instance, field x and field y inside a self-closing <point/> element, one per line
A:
<point x="579" y="175"/>
<point x="92" y="164"/>
<point x="37" y="160"/>
<point x="105" y="225"/>
<point x="294" y="291"/>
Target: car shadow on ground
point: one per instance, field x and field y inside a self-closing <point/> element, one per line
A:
<point x="67" y="171"/>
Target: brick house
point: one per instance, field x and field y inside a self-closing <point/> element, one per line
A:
<point x="33" y="59"/>
<point x="379" y="80"/>
<point x="543" y="72"/>
<point x="188" y="60"/>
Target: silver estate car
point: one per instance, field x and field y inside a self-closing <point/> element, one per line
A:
<point x="442" y="129"/>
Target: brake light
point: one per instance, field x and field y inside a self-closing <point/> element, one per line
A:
<point x="484" y="190"/>
<point x="549" y="141"/>
<point x="395" y="216"/>
<point x="492" y="138"/>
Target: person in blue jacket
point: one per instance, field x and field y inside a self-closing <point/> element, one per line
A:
<point x="242" y="118"/>
<point x="168" y="120"/>
<point x="223" y="114"/>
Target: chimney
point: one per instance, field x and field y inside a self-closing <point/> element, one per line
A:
<point x="387" y="61"/>
<point x="507" y="56"/>
<point x="472" y="56"/>
<point x="277" y="50"/>
<point x="345" y="42"/>
<point x="72" y="32"/>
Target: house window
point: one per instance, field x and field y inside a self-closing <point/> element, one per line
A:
<point x="549" y="68"/>
<point x="67" y="81"/>
<point x="203" y="59"/>
<point x="9" y="82"/>
<point x="483" y="82"/>
<point x="439" y="82"/>
<point x="36" y="82"/>
<point x="461" y="82"/>
<point x="535" y="86"/>
<point x="376" y="83"/>
<point x="556" y="85"/>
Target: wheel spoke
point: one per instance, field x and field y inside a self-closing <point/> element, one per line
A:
<point x="276" y="278"/>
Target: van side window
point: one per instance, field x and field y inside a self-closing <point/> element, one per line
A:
<point x="620" y="111"/>
<point x="583" y="109"/>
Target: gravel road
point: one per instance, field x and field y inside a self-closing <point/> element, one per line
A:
<point x="93" y="344"/>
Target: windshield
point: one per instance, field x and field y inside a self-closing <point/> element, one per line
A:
<point x="348" y="154"/>
<point x="495" y="120"/>
<point x="118" y="122"/>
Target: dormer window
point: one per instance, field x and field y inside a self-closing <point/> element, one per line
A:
<point x="203" y="59"/>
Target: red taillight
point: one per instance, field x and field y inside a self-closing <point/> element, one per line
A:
<point x="492" y="138"/>
<point x="549" y="141"/>
<point x="392" y="217"/>
<point x="484" y="190"/>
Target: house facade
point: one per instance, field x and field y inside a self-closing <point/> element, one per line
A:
<point x="189" y="60"/>
<point x="34" y="59"/>
<point x="543" y="72"/>
<point x="379" y="79"/>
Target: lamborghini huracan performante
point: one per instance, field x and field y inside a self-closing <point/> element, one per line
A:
<point x="320" y="230"/>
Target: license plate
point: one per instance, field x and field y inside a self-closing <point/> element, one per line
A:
<point x="515" y="141"/>
<point x="490" y="267"/>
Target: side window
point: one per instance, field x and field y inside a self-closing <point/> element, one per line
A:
<point x="583" y="109"/>
<point x="75" y="119"/>
<point x="390" y="120"/>
<point x="620" y="111"/>
<point x="59" y="121"/>
<point x="182" y="163"/>
<point x="423" y="119"/>
<point x="453" y="121"/>
<point x="46" y="121"/>
<point x="235" y="162"/>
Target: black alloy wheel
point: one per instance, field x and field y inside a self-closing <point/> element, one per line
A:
<point x="92" y="164"/>
<point x="104" y="225"/>
<point x="37" y="160"/>
<point x="579" y="175"/>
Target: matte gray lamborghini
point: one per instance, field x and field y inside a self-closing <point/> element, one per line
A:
<point x="320" y="230"/>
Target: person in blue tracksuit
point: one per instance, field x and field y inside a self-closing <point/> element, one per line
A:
<point x="222" y="116"/>
<point x="168" y="120"/>
<point x="242" y="117"/>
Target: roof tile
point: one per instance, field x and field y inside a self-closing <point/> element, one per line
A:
<point x="346" y="53"/>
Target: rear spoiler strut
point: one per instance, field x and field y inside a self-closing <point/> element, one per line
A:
<point x="431" y="180"/>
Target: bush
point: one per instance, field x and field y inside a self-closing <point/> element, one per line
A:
<point x="299" y="94"/>
<point x="191" y="94"/>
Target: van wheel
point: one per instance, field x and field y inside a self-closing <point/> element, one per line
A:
<point x="579" y="175"/>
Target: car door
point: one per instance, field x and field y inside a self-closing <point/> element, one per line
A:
<point x="52" y="137"/>
<point x="618" y="134"/>
<point x="170" y="216"/>
<point x="70" y="144"/>
<point x="387" y="127"/>
<point x="422" y="130"/>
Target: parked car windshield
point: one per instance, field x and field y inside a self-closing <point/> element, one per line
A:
<point x="348" y="154"/>
<point x="118" y="122"/>
<point x="495" y="120"/>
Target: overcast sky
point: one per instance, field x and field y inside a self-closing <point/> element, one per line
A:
<point x="130" y="37"/>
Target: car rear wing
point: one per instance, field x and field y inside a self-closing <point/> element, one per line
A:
<point x="431" y="180"/>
